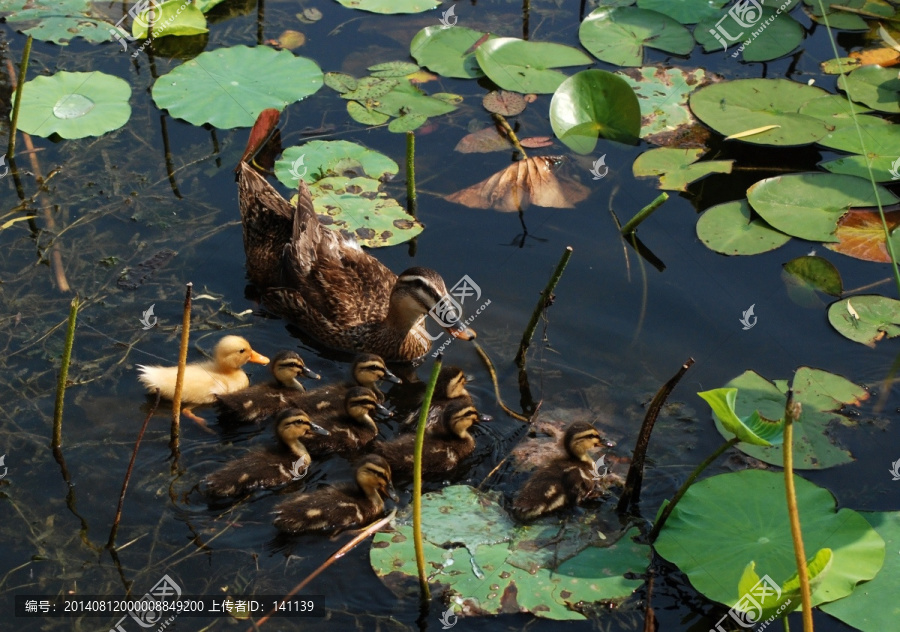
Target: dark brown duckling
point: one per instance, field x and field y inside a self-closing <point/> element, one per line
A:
<point x="450" y="386"/>
<point x="268" y="467"/>
<point x="335" y="509"/>
<point x="447" y="443"/>
<point x="368" y="369"/>
<point x="563" y="482"/>
<point x="254" y="404"/>
<point x="351" y="428"/>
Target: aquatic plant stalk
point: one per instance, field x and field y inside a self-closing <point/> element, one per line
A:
<point x="543" y="303"/>
<point x="684" y="486"/>
<point x="632" y="492"/>
<point x="411" y="173"/>
<point x="504" y="125"/>
<point x="643" y="214"/>
<point x="490" y="367"/>
<point x="792" y="412"/>
<point x="56" y="441"/>
<point x="20" y="87"/>
<point x="425" y="592"/>
<point x="182" y="362"/>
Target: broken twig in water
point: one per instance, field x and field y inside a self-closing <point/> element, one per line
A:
<point x="543" y="303"/>
<point x="64" y="375"/>
<point x="182" y="362"/>
<point x="643" y="214"/>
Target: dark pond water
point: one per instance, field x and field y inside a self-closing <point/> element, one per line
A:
<point x="619" y="328"/>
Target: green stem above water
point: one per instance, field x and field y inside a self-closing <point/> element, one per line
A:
<point x="417" y="480"/>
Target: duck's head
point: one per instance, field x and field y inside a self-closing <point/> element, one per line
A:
<point x="359" y="404"/>
<point x="416" y="292"/>
<point x="459" y="416"/>
<point x="451" y="383"/>
<point x="287" y="366"/>
<point x="292" y="425"/>
<point x="579" y="438"/>
<point x="373" y="475"/>
<point x="369" y="368"/>
<point x="233" y="352"/>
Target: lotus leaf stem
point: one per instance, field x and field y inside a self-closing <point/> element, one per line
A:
<point x="504" y="125"/>
<point x="64" y="375"/>
<point x="182" y="362"/>
<point x="792" y="412"/>
<point x="490" y="367"/>
<point x="543" y="302"/>
<point x="411" y="173"/>
<point x="20" y="87"/>
<point x="425" y="593"/>
<point x="643" y="214"/>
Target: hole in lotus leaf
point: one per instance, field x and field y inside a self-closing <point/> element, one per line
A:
<point x="72" y="106"/>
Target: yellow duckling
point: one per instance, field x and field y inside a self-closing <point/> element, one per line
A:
<point x="203" y="381"/>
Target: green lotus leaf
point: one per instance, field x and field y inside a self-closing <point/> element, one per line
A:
<point x="677" y="168"/>
<point x="172" y="17"/>
<point x="322" y="158"/>
<point x="728" y="229"/>
<point x="866" y="319"/>
<point x="58" y="21"/>
<point x="406" y="98"/>
<point x="780" y="35"/>
<point x="753" y="429"/>
<point x="877" y="87"/>
<point x="407" y="123"/>
<point x="448" y="52"/>
<point x="686" y="11"/>
<point x="804" y="276"/>
<point x="74" y="104"/>
<point x="525" y="66"/>
<point x="845" y="20"/>
<point x="367" y="116"/>
<point x="619" y="35"/>
<point x="391" y="6"/>
<point x="663" y="94"/>
<point x="340" y="81"/>
<point x="393" y="69"/>
<point x="224" y="87"/>
<point x="837" y="112"/>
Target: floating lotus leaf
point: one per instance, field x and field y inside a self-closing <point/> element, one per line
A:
<point x="804" y="276"/>
<point x="490" y="565"/>
<point x="725" y="522"/>
<point x="322" y="158"/>
<point x="59" y="21"/>
<point x="686" y="11"/>
<point x="224" y="87"/>
<point x="733" y="107"/>
<point x="74" y="104"/>
<point x="341" y="81"/>
<point x="171" y="17"/>
<point x="393" y="69"/>
<point x="880" y="138"/>
<point x="861" y="236"/>
<point x="846" y="20"/>
<point x="448" y="52"/>
<point x="877" y="87"/>
<point x="856" y="166"/>
<point x="822" y="395"/>
<point x="781" y="35"/>
<point x="728" y="229"/>
<point x="677" y="168"/>
<point x="618" y="35"/>
<point x="407" y="123"/>
<point x="504" y="102"/>
<point x="835" y="111"/>
<point x="524" y="66"/>
<point x="391" y="6"/>
<point x="483" y="141"/>
<point x="753" y="429"/>
<point x="594" y="103"/>
<point x="663" y="94"/>
<point x="405" y="98"/>
<point x="809" y="205"/>
<point x="367" y="116"/>
<point x="866" y="319"/>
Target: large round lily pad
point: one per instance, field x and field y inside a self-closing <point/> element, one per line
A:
<point x="728" y="229"/>
<point x="391" y="6"/>
<point x="524" y="66"/>
<point x="74" y="104"/>
<point x="447" y="52"/>
<point x="877" y="87"/>
<point x="809" y="205"/>
<point x="227" y="88"/>
<point x="686" y="11"/>
<point x="594" y="103"/>
<point x="619" y="35"/>
<point x="866" y="319"/>
<point x="321" y="158"/>
<point x="738" y="106"/>
<point x="781" y="35"/>
<point x="725" y="522"/>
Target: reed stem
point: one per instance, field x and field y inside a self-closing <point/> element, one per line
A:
<point x="64" y="374"/>
<point x="182" y="362"/>
<point x="543" y="302"/>
<point x="643" y="214"/>
<point x="792" y="412"/>
<point x="504" y="125"/>
<point x="411" y="201"/>
<point x="425" y="593"/>
<point x="20" y="87"/>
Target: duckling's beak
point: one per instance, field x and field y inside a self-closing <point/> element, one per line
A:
<point x="318" y="429"/>
<point x="307" y="372"/>
<point x="390" y="377"/>
<point x="458" y="330"/>
<point x="389" y="490"/>
<point x="383" y="411"/>
<point x="258" y="358"/>
<point x="485" y="418"/>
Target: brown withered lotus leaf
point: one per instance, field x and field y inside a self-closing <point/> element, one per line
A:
<point x="861" y="235"/>
<point x="529" y="181"/>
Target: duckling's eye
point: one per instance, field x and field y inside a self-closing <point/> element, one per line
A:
<point x="242" y="351"/>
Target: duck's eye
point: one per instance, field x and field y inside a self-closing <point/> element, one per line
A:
<point x="242" y="351"/>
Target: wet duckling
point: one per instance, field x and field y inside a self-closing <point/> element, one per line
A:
<point x="450" y="386"/>
<point x="352" y="428"/>
<point x="203" y="381"/>
<point x="335" y="509"/>
<point x="446" y="444"/>
<point x="368" y="369"/>
<point x="565" y="481"/>
<point x="268" y="467"/>
<point x="254" y="404"/>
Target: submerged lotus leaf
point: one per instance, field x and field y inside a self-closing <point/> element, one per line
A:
<point x="225" y="87"/>
<point x="618" y="35"/>
<point x="663" y="94"/>
<point x="321" y="158"/>
<point x="685" y="11"/>
<point x="809" y="205"/>
<point x="391" y="6"/>
<point x="877" y="87"/>
<point x="866" y="319"/>
<point x="728" y="229"/>
<point x="524" y="66"/>
<point x="58" y="21"/>
<point x="677" y="168"/>
<point x="822" y="396"/>
<point x="448" y="52"/>
<point x="489" y="565"/>
<point x="737" y="106"/>
<point x="74" y="104"/>
<point x="806" y="275"/>
<point x="781" y="35"/>
<point x="725" y="522"/>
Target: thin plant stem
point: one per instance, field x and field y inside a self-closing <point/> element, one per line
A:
<point x="425" y="592"/>
<point x="64" y="374"/>
<point x="644" y="213"/>
<point x="792" y="412"/>
<point x="490" y="367"/>
<point x="684" y="486"/>
<point x="411" y="173"/>
<point x="20" y="87"/>
<point x="504" y="125"/>
<point x="543" y="302"/>
<point x="182" y="362"/>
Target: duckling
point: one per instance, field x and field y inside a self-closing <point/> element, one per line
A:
<point x="450" y="386"/>
<point x="254" y="404"/>
<point x="351" y="428"/>
<point x="323" y="281"/>
<point x="565" y="481"/>
<point x="368" y="369"/>
<point x="446" y="444"/>
<point x="203" y="381"/>
<point x="268" y="467"/>
<point x="335" y="509"/>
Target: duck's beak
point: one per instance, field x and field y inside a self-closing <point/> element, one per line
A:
<point x="458" y="330"/>
<point x="318" y="429"/>
<point x="307" y="372"/>
<point x="389" y="490"/>
<point x="390" y="377"/>
<point x="258" y="358"/>
<point x="485" y="418"/>
<point x="383" y="411"/>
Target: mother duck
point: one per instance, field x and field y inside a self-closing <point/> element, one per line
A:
<point x="322" y="280"/>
